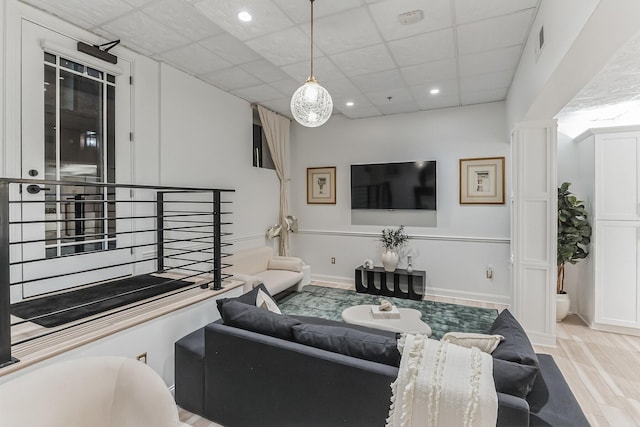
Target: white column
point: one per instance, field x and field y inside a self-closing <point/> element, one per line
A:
<point x="533" y="222"/>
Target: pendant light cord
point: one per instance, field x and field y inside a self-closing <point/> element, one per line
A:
<point x="312" y="77"/>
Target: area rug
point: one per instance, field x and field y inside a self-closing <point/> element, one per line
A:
<point x="442" y="317"/>
<point x="56" y="310"/>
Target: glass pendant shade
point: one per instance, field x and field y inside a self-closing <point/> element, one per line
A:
<point x="311" y="104"/>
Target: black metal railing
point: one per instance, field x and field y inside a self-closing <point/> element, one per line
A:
<point x="58" y="236"/>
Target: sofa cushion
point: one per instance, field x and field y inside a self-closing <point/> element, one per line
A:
<point x="251" y="318"/>
<point x="516" y="346"/>
<point x="350" y="342"/>
<point x="513" y="378"/>
<point x="246" y="298"/>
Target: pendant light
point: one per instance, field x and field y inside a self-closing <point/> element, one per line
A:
<point x="311" y="104"/>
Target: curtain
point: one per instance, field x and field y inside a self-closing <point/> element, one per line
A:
<point x="276" y="129"/>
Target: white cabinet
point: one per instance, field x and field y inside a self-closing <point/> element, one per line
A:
<point x="617" y="174"/>
<point x="616" y="272"/>
<point x="610" y="174"/>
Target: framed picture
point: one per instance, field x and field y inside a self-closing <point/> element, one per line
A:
<point x="482" y="181"/>
<point x="321" y="185"/>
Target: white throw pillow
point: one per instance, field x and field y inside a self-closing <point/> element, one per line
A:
<point x="265" y="301"/>
<point x="483" y="342"/>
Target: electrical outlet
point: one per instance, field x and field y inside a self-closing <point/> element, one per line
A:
<point x="142" y="358"/>
<point x="333" y="260"/>
<point x="489" y="272"/>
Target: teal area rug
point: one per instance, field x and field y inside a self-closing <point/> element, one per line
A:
<point x="328" y="303"/>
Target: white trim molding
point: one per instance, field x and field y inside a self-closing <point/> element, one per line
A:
<point x="466" y="239"/>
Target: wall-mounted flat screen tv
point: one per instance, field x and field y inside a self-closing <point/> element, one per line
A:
<point x="407" y="185"/>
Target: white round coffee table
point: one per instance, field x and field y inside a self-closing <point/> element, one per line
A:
<point x="409" y="322"/>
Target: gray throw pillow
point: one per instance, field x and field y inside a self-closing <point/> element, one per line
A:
<point x="254" y="319"/>
<point x="350" y="342"/>
<point x="515" y="348"/>
<point x="513" y="378"/>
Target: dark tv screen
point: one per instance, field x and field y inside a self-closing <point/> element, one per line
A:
<point x="408" y="185"/>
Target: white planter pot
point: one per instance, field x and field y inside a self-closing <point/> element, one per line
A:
<point x="390" y="260"/>
<point x="562" y="306"/>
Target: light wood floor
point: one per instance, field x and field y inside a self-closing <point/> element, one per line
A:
<point x="602" y="369"/>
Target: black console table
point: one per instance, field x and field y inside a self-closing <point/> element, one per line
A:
<point x="405" y="285"/>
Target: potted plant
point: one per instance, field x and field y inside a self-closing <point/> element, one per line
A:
<point x="574" y="235"/>
<point x="391" y="240"/>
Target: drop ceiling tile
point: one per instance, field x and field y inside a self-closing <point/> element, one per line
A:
<point x="182" y="18"/>
<point x="195" y="59"/>
<point x="448" y="89"/>
<point x="498" y="80"/>
<point x="399" y="108"/>
<point x="299" y="11"/>
<point x="264" y="70"/>
<point x="281" y="106"/>
<point x="231" y="78"/>
<point x="93" y="12"/>
<point x="286" y="86"/>
<point x="363" y="61"/>
<point x="267" y="17"/>
<point x="474" y="10"/>
<point x="438" y="102"/>
<point x="343" y="89"/>
<point x="436" y="13"/>
<point x="388" y="97"/>
<point x="383" y="80"/>
<point x="138" y="3"/>
<point x="504" y="31"/>
<point x="352" y="29"/>
<point x="258" y="93"/>
<point x="427" y="47"/>
<point x="430" y="71"/>
<point x="143" y="31"/>
<point x="230" y="48"/>
<point x="283" y="47"/>
<point x="361" y="112"/>
<point x="491" y="61"/>
<point x="481" y="96"/>
<point x="323" y="69"/>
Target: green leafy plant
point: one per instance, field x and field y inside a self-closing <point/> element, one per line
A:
<point x="574" y="231"/>
<point x="393" y="238"/>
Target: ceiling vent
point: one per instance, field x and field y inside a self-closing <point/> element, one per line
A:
<point x="411" y="17"/>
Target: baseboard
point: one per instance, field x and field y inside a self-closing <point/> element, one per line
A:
<point x="626" y="330"/>
<point x="332" y="279"/>
<point x="543" y="340"/>
<point x="472" y="297"/>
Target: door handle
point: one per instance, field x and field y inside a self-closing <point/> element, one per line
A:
<point x="35" y="189"/>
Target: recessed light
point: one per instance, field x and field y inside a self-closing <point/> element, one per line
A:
<point x="244" y="16"/>
<point x="350" y="103"/>
<point x="434" y="91"/>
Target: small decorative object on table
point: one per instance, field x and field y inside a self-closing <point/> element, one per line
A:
<point x="391" y="240"/>
<point x="409" y="266"/>
<point x="368" y="263"/>
<point x="385" y="311"/>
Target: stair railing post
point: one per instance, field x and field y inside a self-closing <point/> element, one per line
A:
<point x="160" y="230"/>
<point x="5" y="278"/>
<point x="217" y="241"/>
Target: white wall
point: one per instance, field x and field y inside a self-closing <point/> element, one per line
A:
<point x="562" y="21"/>
<point x="467" y="237"/>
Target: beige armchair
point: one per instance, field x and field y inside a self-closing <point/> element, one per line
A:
<point x="93" y="391"/>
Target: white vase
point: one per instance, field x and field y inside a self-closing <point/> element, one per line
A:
<point x="390" y="260"/>
<point x="562" y="306"/>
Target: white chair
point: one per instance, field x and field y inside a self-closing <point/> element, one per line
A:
<point x="89" y="392"/>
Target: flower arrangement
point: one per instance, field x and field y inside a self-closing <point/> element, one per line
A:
<point x="393" y="238"/>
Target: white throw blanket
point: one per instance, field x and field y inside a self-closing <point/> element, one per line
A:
<point x="442" y="385"/>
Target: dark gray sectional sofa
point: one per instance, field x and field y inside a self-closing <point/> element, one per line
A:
<point x="253" y="368"/>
